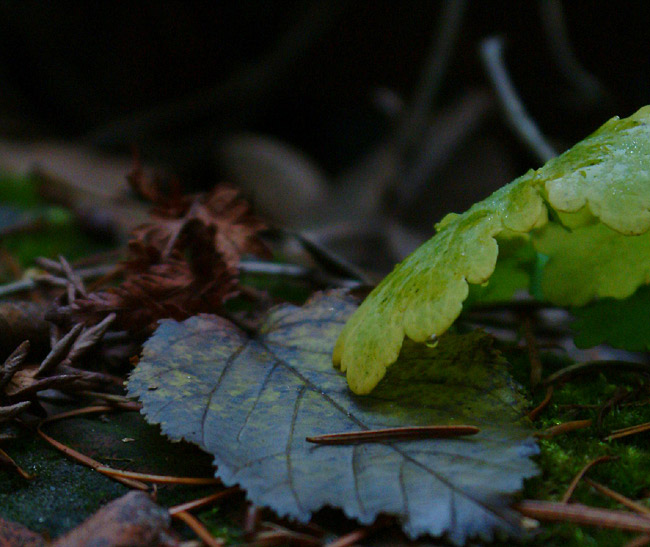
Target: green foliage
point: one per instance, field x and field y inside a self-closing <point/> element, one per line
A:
<point x="620" y="323"/>
<point x="597" y="193"/>
<point x="251" y="402"/>
<point x="18" y="190"/>
<point x="54" y="231"/>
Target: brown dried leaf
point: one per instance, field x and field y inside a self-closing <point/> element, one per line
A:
<point x="25" y="384"/>
<point x="22" y="321"/>
<point x="130" y="520"/>
<point x="13" y="534"/>
<point x="183" y="262"/>
<point x="235" y="228"/>
<point x="8" y="412"/>
<point x="149" y="187"/>
<point x="170" y="289"/>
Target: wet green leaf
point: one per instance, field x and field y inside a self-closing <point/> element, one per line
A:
<point x="620" y="323"/>
<point x="597" y="192"/>
<point x="251" y="402"/>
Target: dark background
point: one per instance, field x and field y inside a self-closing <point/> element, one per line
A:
<point x="173" y="79"/>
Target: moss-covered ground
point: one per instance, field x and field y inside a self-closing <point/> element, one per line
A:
<point x="563" y="456"/>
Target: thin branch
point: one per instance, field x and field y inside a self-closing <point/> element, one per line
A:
<point x="518" y="118"/>
<point x="248" y="86"/>
<point x="86" y="460"/>
<point x="590" y="90"/>
<point x="435" y="67"/>
<point x="626" y="431"/>
<point x="350" y="539"/>
<point x="6" y="459"/>
<point x="156" y="479"/>
<point x="620" y="498"/>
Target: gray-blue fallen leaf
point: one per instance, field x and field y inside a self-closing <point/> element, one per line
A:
<point x="251" y="402"/>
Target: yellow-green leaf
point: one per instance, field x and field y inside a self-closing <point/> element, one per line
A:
<point x="600" y="188"/>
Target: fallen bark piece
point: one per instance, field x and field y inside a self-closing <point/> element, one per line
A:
<point x="13" y="534"/>
<point x="130" y="521"/>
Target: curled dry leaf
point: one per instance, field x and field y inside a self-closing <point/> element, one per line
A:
<point x="184" y="261"/>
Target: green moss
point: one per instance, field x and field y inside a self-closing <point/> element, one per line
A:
<point x="222" y="525"/>
<point x="562" y="457"/>
<point x="18" y="190"/>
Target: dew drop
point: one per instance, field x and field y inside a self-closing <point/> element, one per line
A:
<point x="432" y="341"/>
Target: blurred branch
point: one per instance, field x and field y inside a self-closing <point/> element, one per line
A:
<point x="526" y="129"/>
<point x="417" y="115"/>
<point x="589" y="89"/>
<point x="383" y="168"/>
<point x="451" y="128"/>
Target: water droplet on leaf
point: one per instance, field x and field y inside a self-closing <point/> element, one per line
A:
<point x="432" y="341"/>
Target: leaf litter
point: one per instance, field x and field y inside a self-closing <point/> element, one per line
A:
<point x="184" y="261"/>
<point x="185" y="231"/>
<point x="252" y="402"/>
